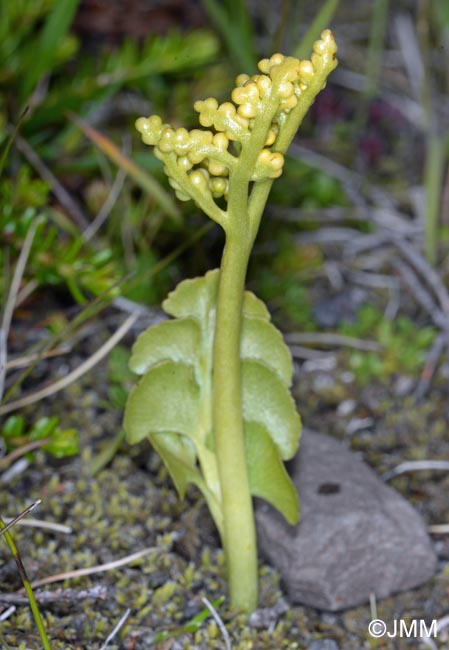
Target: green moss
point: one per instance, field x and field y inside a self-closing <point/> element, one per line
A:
<point x="164" y="593"/>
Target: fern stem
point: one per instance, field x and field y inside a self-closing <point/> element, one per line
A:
<point x="239" y="536"/>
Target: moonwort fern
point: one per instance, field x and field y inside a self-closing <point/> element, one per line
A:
<point x="214" y="398"/>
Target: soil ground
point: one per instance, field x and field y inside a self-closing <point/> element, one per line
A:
<point x="130" y="506"/>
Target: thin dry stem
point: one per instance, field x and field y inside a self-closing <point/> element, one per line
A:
<point x="99" y="568"/>
<point x="75" y="374"/>
<point x="116" y="629"/>
<point x="11" y="302"/>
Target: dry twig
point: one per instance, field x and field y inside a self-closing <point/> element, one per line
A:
<point x="417" y="466"/>
<point x="25" y="361"/>
<point x="430" y="366"/>
<point x="75" y="374"/>
<point x="7" y="613"/>
<point x="44" y="525"/>
<point x="63" y="196"/>
<point x="99" y="568"/>
<point x="333" y="340"/>
<point x="17" y="518"/>
<point x="97" y="592"/>
<point x="428" y="273"/>
<point x="116" y="629"/>
<point x="11" y="302"/>
<point x="107" y="206"/>
<point x="421" y="294"/>
<point x="21" y="451"/>
<point x="219" y="622"/>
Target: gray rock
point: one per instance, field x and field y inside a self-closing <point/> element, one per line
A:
<point x="356" y="536"/>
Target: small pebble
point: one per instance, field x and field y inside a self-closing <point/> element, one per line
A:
<point x="323" y="644"/>
<point x="444" y="370"/>
<point x="403" y="386"/>
<point x="314" y="365"/>
<point x="346" y="407"/>
<point x="358" y="424"/>
<point x="323" y="382"/>
<point x="328" y="618"/>
<point x="265" y="617"/>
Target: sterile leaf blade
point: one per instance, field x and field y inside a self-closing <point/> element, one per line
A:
<point x="179" y="456"/>
<point x="268" y="478"/>
<point x="193" y="298"/>
<point x="165" y="399"/>
<point x="263" y="342"/>
<point x="268" y="402"/>
<point x="171" y="340"/>
<point x="254" y="307"/>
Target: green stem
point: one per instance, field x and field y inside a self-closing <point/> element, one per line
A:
<point x="26" y="583"/>
<point x="239" y="535"/>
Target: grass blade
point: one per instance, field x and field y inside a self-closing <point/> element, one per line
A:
<point x="433" y="183"/>
<point x="235" y="28"/>
<point x="14" y="132"/>
<point x="56" y="27"/>
<point x="320" y="22"/>
<point x="142" y="178"/>
<point x="27" y="585"/>
<point x="379" y="26"/>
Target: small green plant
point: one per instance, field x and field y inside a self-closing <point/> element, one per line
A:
<point x="405" y="345"/>
<point x="58" y="442"/>
<point x="214" y="399"/>
<point x="59" y="255"/>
